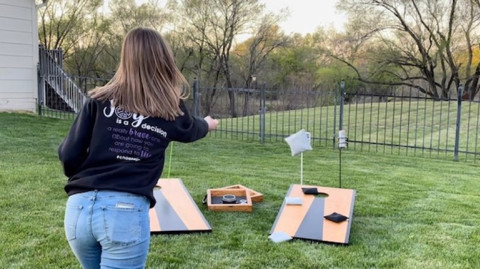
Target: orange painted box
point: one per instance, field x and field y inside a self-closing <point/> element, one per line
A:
<point x="235" y="199"/>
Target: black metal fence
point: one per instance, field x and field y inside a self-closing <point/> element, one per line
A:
<point x="88" y="83"/>
<point x="403" y="122"/>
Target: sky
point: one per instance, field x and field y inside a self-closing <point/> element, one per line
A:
<point x="307" y="15"/>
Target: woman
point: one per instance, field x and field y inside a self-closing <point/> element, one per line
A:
<point x="114" y="153"/>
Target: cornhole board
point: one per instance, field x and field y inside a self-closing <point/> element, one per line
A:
<point x="306" y="221"/>
<point x="175" y="210"/>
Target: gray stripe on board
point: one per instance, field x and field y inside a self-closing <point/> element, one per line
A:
<point x="312" y="224"/>
<point x="168" y="219"/>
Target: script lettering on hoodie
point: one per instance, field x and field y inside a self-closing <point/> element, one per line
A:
<point x="129" y="142"/>
<point x="123" y="118"/>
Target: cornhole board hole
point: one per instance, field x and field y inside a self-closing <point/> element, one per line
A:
<point x="215" y="200"/>
<point x="256" y="197"/>
<point x="307" y="220"/>
<point x="175" y="210"/>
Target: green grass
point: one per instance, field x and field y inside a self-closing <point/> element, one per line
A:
<point x="409" y="212"/>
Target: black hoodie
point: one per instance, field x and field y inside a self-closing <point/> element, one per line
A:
<point x="108" y="148"/>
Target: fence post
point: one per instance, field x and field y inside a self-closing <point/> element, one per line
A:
<point x="262" y="115"/>
<point x="39" y="89"/>
<point x="195" y="97"/>
<point x="341" y="94"/>
<point x="459" y="115"/>
<point x="342" y="101"/>
<point x="334" y="136"/>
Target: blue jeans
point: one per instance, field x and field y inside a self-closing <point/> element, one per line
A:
<point x="108" y="229"/>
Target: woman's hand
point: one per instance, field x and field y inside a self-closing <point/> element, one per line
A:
<point x="212" y="123"/>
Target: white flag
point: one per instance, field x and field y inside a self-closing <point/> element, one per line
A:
<point x="299" y="142"/>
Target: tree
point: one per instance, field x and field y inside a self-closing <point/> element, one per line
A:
<point x="418" y="43"/>
<point x="87" y="62"/>
<point x="252" y="54"/>
<point x="295" y="65"/>
<point x="91" y="37"/>
<point x="472" y="61"/>
<point x="212" y="27"/>
<point x="126" y="15"/>
<point x="62" y="20"/>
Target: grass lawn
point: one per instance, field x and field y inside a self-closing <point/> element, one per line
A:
<point x="409" y="212"/>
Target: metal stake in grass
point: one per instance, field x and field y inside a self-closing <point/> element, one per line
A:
<point x="170" y="160"/>
<point x="342" y="143"/>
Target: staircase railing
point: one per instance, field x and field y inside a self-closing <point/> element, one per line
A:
<point x="52" y="74"/>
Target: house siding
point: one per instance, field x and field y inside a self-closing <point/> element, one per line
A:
<point x="18" y="55"/>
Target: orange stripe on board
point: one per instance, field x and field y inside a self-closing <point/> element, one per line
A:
<point x="292" y="215"/>
<point x="340" y="201"/>
<point x="154" y="224"/>
<point x="180" y="200"/>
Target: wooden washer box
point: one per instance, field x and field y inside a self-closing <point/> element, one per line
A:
<point x="214" y="197"/>
<point x="256" y="197"/>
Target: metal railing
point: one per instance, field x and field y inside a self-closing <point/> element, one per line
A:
<point x="56" y="89"/>
<point x="413" y="124"/>
<point x="403" y="122"/>
<point x="399" y="122"/>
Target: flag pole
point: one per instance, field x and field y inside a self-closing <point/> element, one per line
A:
<point x="301" y="168"/>
<point x="340" y="169"/>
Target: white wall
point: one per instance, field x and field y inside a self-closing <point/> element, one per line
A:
<point x="18" y="55"/>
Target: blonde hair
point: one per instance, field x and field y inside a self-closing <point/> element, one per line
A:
<point x="147" y="81"/>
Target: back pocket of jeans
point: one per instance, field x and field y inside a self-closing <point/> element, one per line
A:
<point x="123" y="225"/>
<point x="72" y="214"/>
